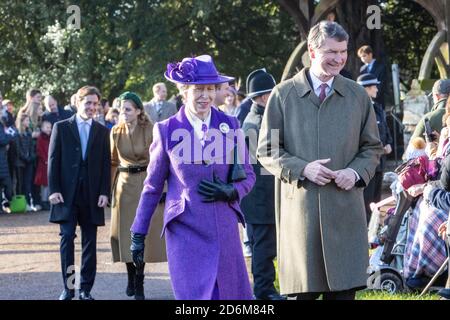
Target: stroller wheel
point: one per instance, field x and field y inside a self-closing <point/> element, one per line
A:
<point x="387" y="282"/>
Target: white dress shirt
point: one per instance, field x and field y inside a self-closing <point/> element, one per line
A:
<point x="316" y="82"/>
<point x="197" y="123"/>
<point x="83" y="125"/>
<point x="80" y="120"/>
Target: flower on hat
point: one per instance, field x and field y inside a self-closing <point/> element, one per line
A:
<point x="183" y="71"/>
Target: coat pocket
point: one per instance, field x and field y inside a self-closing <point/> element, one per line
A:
<point x="173" y="210"/>
<point x="235" y="206"/>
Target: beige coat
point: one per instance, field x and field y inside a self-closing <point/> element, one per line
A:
<point x="322" y="240"/>
<point x="133" y="150"/>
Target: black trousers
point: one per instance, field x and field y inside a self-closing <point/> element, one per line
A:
<point x="262" y="238"/>
<point x="80" y="215"/>
<point x="336" y="295"/>
<point x="25" y="181"/>
<point x="372" y="193"/>
<point x="6" y="185"/>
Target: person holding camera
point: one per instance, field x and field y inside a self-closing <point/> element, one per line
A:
<point x="441" y="91"/>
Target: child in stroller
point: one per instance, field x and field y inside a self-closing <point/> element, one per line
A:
<point x="402" y="250"/>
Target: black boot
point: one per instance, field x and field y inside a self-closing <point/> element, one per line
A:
<point x="131" y="270"/>
<point x="139" y="284"/>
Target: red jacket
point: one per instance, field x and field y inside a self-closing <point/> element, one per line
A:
<point x="42" y="145"/>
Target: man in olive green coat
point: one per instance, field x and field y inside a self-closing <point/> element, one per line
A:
<point x="441" y="90"/>
<point x="319" y="136"/>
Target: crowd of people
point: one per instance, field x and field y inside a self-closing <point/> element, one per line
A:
<point x="426" y="245"/>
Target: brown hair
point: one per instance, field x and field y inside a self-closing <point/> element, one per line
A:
<point x="323" y="30"/>
<point x="365" y="49"/>
<point x="142" y="117"/>
<point x="87" y="91"/>
<point x="444" y="119"/>
<point x="32" y="92"/>
<point x="109" y="114"/>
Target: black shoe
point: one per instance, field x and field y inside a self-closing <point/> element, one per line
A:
<point x="444" y="293"/>
<point x="131" y="271"/>
<point x="45" y="206"/>
<point x="67" y="295"/>
<point x="272" y="296"/>
<point x="85" y="295"/>
<point x="139" y="287"/>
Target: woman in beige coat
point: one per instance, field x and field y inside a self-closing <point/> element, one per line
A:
<point x="130" y="142"/>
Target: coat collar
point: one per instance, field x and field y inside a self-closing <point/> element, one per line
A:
<point x="180" y="121"/>
<point x="74" y="127"/>
<point x="303" y="85"/>
<point x="256" y="108"/>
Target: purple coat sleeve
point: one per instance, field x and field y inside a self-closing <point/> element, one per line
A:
<point x="157" y="173"/>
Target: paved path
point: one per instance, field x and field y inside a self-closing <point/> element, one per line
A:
<point x="30" y="269"/>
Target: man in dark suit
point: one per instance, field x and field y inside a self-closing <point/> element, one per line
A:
<point x="258" y="206"/>
<point x="79" y="169"/>
<point x="375" y="67"/>
<point x="54" y="113"/>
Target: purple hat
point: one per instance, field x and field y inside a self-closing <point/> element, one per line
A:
<point x="198" y="70"/>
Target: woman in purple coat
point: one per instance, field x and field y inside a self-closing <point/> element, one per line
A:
<point x="196" y="151"/>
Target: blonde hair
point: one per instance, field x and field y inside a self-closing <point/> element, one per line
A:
<point x="31" y="109"/>
<point x="365" y="50"/>
<point x="19" y="122"/>
<point x="156" y="87"/>
<point x="418" y="143"/>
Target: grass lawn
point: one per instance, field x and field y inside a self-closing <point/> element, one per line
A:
<point x="379" y="295"/>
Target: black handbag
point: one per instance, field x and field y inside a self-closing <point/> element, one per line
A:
<point x="237" y="171"/>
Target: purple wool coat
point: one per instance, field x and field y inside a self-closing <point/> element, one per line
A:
<point x="204" y="250"/>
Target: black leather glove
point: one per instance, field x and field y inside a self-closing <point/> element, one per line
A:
<point x="137" y="249"/>
<point x="163" y="198"/>
<point x="217" y="190"/>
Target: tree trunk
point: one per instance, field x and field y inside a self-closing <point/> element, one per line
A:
<point x="353" y="17"/>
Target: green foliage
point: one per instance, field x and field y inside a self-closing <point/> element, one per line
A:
<point x="125" y="45"/>
<point x="407" y="31"/>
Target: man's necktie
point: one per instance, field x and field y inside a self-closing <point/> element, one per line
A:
<point x="84" y="135"/>
<point x="323" y="93"/>
<point x="159" y="109"/>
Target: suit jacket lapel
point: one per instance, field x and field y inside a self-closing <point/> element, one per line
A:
<point x="74" y="128"/>
<point x="92" y="134"/>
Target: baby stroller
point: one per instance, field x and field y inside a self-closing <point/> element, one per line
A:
<point x="385" y="270"/>
<point x="387" y="262"/>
